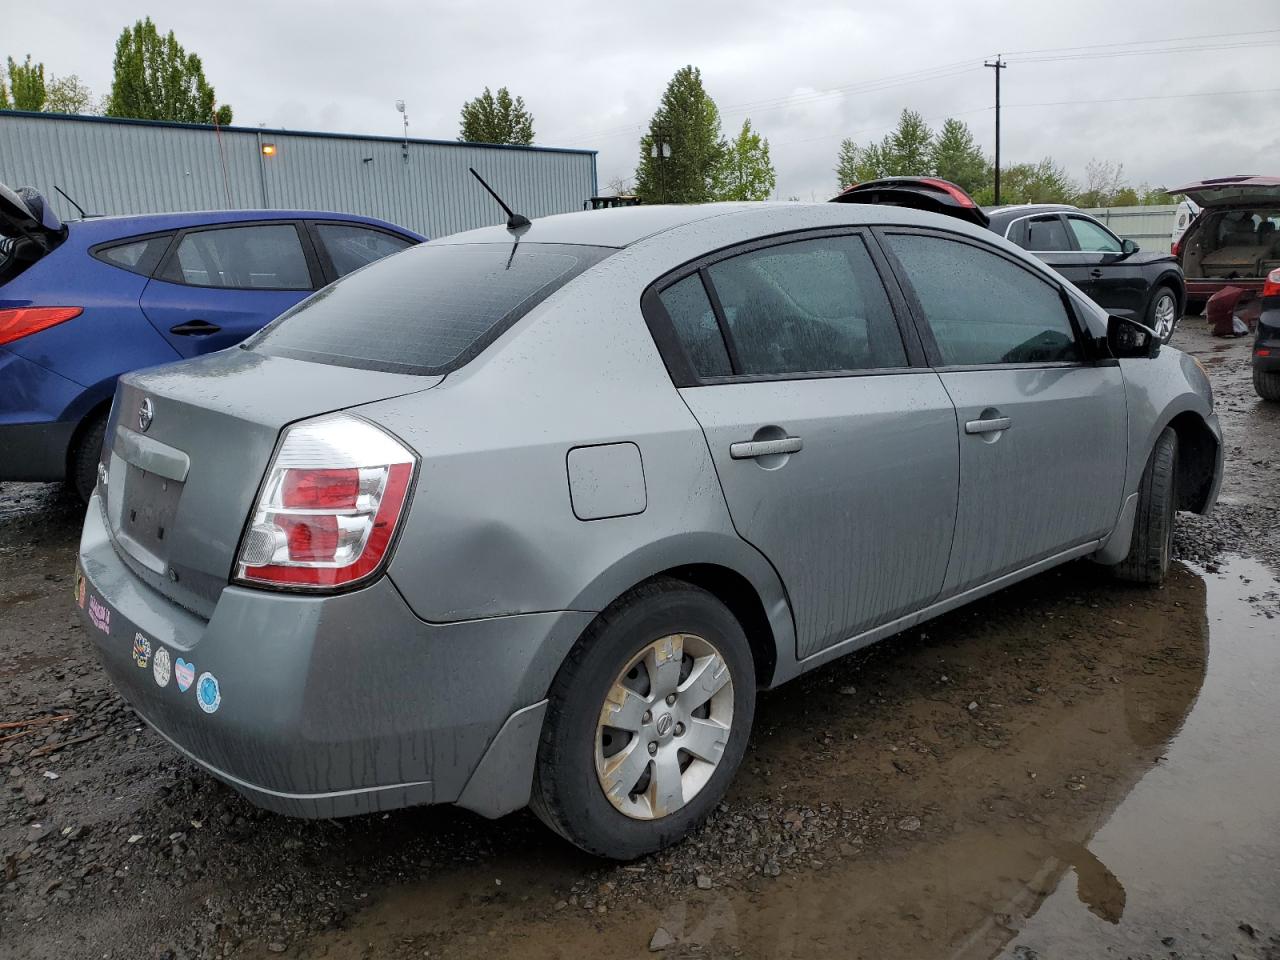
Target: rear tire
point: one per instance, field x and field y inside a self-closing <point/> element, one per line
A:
<point x="82" y="464"/>
<point x="1152" y="543"/>
<point x="1267" y="385"/>
<point x="625" y="647"/>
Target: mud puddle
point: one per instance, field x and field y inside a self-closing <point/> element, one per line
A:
<point x="1133" y="812"/>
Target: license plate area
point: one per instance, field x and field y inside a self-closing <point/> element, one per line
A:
<point x="150" y="504"/>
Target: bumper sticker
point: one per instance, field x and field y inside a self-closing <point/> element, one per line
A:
<point x="141" y="650"/>
<point x="160" y="666"/>
<point x="183" y="674"/>
<point x="207" y="693"/>
<point x="100" y="615"/>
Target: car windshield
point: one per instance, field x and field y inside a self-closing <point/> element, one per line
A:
<point x="427" y="310"/>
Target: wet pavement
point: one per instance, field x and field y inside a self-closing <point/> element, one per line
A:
<point x="1070" y="768"/>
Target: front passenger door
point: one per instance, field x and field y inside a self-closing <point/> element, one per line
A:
<point x="1116" y="282"/>
<point x="837" y="457"/>
<point x="1041" y="428"/>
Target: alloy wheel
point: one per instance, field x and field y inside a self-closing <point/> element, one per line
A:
<point x="663" y="726"/>
<point x="1165" y="316"/>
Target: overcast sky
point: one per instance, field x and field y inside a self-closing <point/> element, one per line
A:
<point x="806" y="73"/>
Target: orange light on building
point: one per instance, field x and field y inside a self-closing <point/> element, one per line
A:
<point x="268" y="149"/>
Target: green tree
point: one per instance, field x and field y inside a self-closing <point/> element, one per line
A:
<point x="68" y="95"/>
<point x="746" y="172"/>
<point x="910" y="147"/>
<point x="26" y="81"/>
<point x="855" y="164"/>
<point x="4" y="96"/>
<point x="954" y="156"/>
<point x="688" y="121"/>
<point x="1043" y="182"/>
<point x="500" y="119"/>
<point x="156" y="79"/>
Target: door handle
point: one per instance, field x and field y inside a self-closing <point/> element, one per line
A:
<point x="750" y="449"/>
<point x="993" y="425"/>
<point x="195" y="328"/>
<point x="1096" y="272"/>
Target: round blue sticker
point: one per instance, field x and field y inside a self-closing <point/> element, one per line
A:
<point x="207" y="693"/>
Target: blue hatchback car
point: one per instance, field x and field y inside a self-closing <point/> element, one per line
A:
<point x="83" y="302"/>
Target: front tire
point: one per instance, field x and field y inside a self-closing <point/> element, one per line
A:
<point x="647" y="722"/>
<point x="1162" y="313"/>
<point x="1152" y="544"/>
<point x="1266" y="385"/>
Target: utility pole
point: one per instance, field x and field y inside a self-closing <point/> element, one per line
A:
<point x="997" y="67"/>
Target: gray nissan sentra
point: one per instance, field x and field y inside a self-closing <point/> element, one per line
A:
<point x="530" y="515"/>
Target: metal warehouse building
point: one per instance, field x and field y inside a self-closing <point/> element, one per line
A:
<point x="113" y="166"/>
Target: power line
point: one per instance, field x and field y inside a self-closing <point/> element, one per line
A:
<point x="1167" y="96"/>
<point x="1134" y="43"/>
<point x="1148" y="53"/>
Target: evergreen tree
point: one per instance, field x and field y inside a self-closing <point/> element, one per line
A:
<point x="746" y="172"/>
<point x="156" y="79"/>
<point x="689" y="121"/>
<point x="500" y="119"/>
<point x="955" y="157"/>
<point x="910" y="146"/>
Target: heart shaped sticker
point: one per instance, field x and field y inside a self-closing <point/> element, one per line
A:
<point x="184" y="673"/>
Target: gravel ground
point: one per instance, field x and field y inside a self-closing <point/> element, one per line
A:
<point x="869" y="772"/>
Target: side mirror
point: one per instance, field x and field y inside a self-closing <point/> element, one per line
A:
<point x="1128" y="338"/>
<point x="1128" y="247"/>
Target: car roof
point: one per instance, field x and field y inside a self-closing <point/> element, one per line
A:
<point x="125" y="225"/>
<point x="624" y="226"/>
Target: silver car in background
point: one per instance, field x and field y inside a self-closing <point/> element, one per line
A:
<point x="529" y="516"/>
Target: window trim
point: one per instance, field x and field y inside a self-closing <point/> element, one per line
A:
<point x="680" y="365"/>
<point x="304" y="239"/>
<point x="1036" y="270"/>
<point x="327" y="268"/>
<point x="1073" y="246"/>
<point x="98" y="249"/>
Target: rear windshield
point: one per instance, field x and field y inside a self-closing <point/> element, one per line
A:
<point x="427" y="310"/>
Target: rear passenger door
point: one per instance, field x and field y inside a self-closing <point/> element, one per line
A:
<point x="217" y="285"/>
<point x="1041" y="427"/>
<point x="1048" y="237"/>
<point x="837" y="455"/>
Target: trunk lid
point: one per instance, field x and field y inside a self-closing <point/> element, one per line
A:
<point x="188" y="445"/>
<point x="28" y="230"/>
<point x="1231" y="191"/>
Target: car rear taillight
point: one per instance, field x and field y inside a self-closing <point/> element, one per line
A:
<point x="23" y="321"/>
<point x="328" y="511"/>
<point x="1271" y="286"/>
<point x="1175" y="246"/>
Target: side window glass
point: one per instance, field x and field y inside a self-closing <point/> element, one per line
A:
<point x="1046" y="234"/>
<point x="808" y="307"/>
<point x="1092" y="237"/>
<point x="982" y="308"/>
<point x="260" y="257"/>
<point x="351" y="247"/>
<point x="140" y="256"/>
<point x="695" y="322"/>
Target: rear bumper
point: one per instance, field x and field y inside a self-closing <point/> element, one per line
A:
<point x="1204" y="289"/>
<point x="324" y="706"/>
<point x="35" y="451"/>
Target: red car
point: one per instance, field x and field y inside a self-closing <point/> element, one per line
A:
<point x="1235" y="239"/>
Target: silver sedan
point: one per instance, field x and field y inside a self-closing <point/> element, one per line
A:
<point x="530" y="515"/>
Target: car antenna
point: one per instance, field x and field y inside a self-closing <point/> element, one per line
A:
<point x="514" y="220"/>
<point x="65" y="196"/>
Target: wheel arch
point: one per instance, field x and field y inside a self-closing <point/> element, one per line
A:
<point x="1197" y="461"/>
<point x="1173" y="279"/>
<point x="728" y="568"/>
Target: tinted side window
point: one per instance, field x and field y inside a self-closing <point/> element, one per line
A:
<point x="1092" y="237"/>
<point x="695" y="323"/>
<point x="351" y="247"/>
<point x="808" y="307"/>
<point x="139" y="256"/>
<point x="981" y="307"/>
<point x="1045" y="234"/>
<point x="267" y="256"/>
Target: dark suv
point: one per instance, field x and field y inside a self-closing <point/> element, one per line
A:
<point x="1114" y="273"/>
